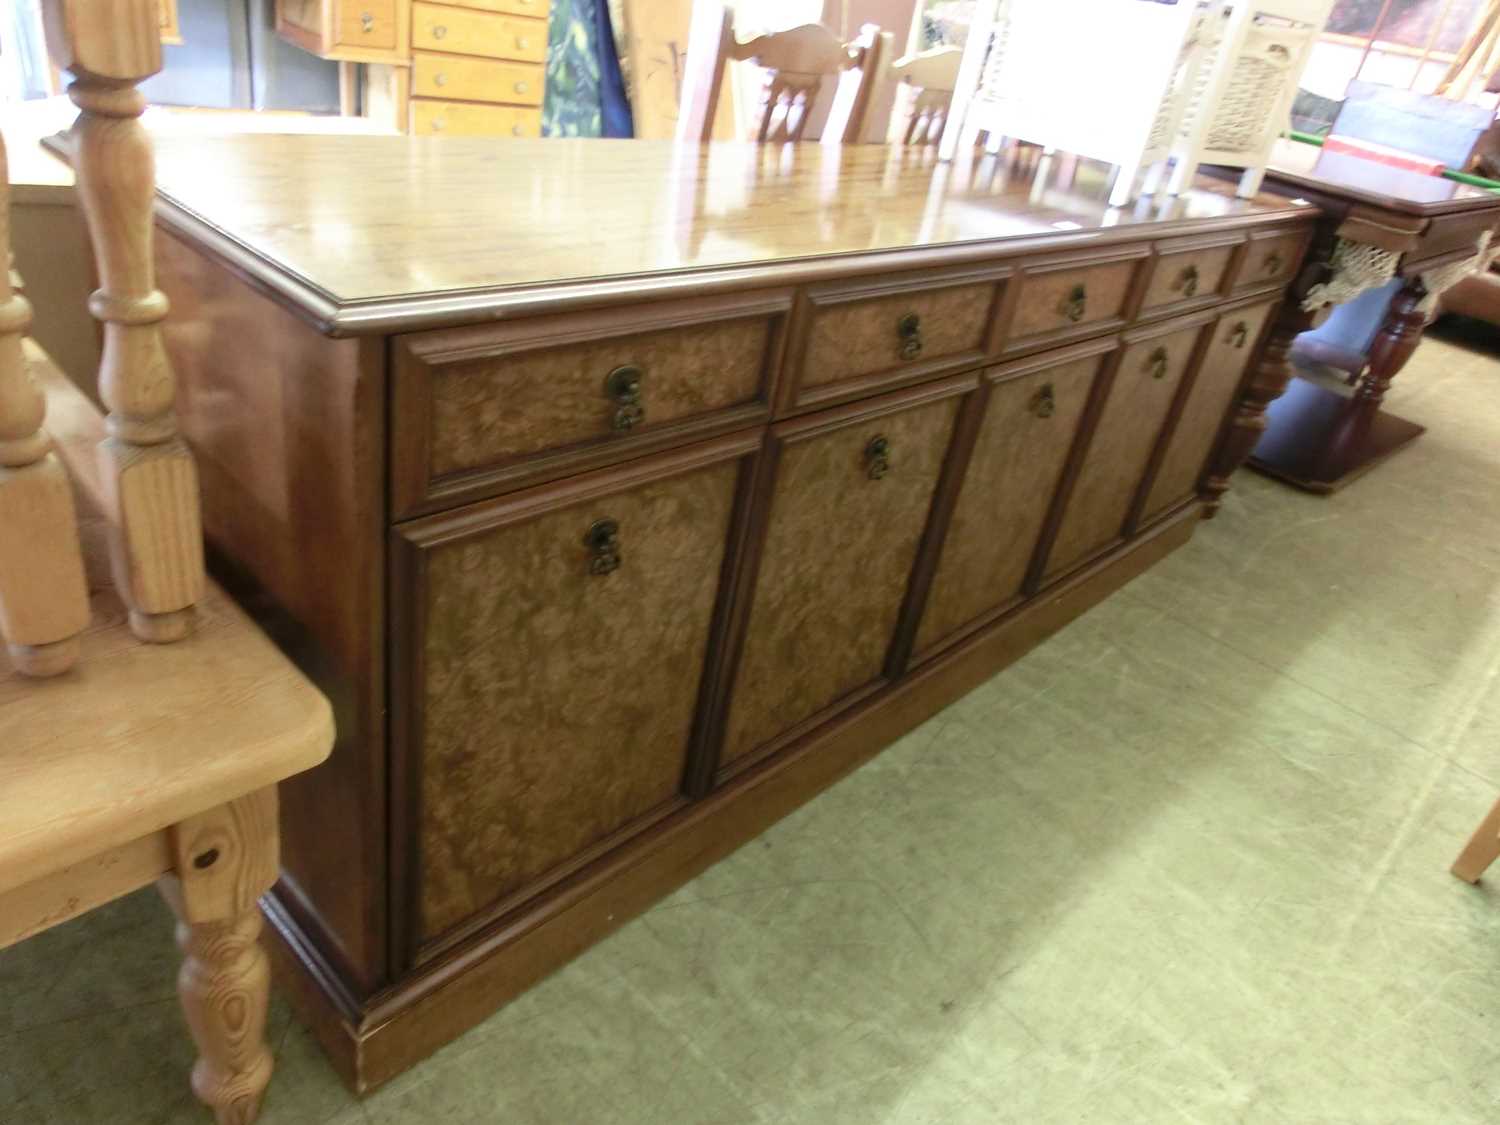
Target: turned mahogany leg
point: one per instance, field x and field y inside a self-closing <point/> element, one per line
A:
<point x="1394" y="344"/>
<point x="1482" y="849"/>
<point x="1272" y="373"/>
<point x="224" y="860"/>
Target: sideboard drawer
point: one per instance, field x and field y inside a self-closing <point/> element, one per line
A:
<point x="1270" y="259"/>
<point x="1187" y="275"/>
<point x="1234" y="343"/>
<point x="849" y="494"/>
<point x="475" y="80"/>
<point x="481" y="410"/>
<point x="536" y="8"/>
<point x="855" y="339"/>
<point x="491" y="36"/>
<point x="1064" y="298"/>
<point x="555" y="643"/>
<point x="1137" y="403"/>
<point x="1031" y="414"/>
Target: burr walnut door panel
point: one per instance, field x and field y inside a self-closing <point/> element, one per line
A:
<point x="1136" y="407"/>
<point x="1030" y="422"/>
<point x="553" y="645"/>
<point x="848" y="504"/>
<point x="1234" y="342"/>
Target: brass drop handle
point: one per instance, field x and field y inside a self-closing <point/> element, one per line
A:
<point x="1239" y="334"/>
<point x="439" y="31"/>
<point x="623" y="386"/>
<point x="1074" y="304"/>
<point x="909" y="335"/>
<point x="1272" y="264"/>
<point x="603" y="541"/>
<point x="1044" y="402"/>
<point x="366" y="22"/>
<point x="1187" y="281"/>
<point x="878" y="457"/>
<point x="1157" y="362"/>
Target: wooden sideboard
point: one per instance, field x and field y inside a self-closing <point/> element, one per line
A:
<point x="455" y="68"/>
<point x="623" y="496"/>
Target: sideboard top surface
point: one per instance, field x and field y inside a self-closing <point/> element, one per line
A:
<point x="382" y="233"/>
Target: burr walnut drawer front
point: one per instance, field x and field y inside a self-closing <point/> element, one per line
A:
<point x="854" y="339"/>
<point x="1062" y="299"/>
<point x="475" y="80"/>
<point x="486" y="34"/>
<point x="1270" y="259"/>
<point x="367" y="23"/>
<point x="1187" y="275"/>
<point x="482" y="410"/>
<point x="1135" y="414"/>
<point x="557" y="640"/>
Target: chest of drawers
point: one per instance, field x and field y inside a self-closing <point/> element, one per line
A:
<point x="622" y="497"/>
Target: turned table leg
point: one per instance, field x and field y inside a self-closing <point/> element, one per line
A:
<point x="225" y="859"/>
<point x="1400" y="333"/>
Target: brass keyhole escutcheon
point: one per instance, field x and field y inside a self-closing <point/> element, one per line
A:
<point x="1044" y="403"/>
<point x="1239" y="334"/>
<point x="366" y="22"/>
<point x="1074" y="303"/>
<point x="1157" y="362"/>
<point x="1187" y="281"/>
<point x="623" y="385"/>
<point x="603" y="541"/>
<point x="878" y="457"/>
<point x="909" y="333"/>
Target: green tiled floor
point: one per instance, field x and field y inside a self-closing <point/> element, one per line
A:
<point x="1185" y="862"/>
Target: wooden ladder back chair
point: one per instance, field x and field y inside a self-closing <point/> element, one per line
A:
<point x="124" y="763"/>
<point x="924" y="93"/>
<point x="798" y="64"/>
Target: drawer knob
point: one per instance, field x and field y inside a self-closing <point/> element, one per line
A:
<point x="1157" y="363"/>
<point x="1187" y="281"/>
<point x="517" y="131"/>
<point x="909" y="333"/>
<point x="440" y="79"/>
<point x="437" y="124"/>
<point x="1044" y="403"/>
<point x="366" y="22"/>
<point x="878" y="457"/>
<point x="439" y="31"/>
<point x="521" y="87"/>
<point x="603" y="541"/>
<point x="1074" y="303"/>
<point x="623" y="386"/>
<point x="1239" y="334"/>
<point x="1273" y="262"/>
<point x="522" y="43"/>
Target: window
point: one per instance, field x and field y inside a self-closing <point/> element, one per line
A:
<point x="1404" y="43"/>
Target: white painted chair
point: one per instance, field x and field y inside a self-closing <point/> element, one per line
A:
<point x="1254" y="59"/>
<point x="1105" y="79"/>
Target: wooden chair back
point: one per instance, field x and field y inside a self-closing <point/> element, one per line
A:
<point x="798" y="65"/>
<point x="924" y="92"/>
<point x="149" y="483"/>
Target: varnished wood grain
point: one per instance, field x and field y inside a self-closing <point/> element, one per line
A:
<point x="1011" y="480"/>
<point x="432" y="118"/>
<point x="1120" y="448"/>
<point x="825" y="606"/>
<point x="440" y="28"/>
<point x="1234" y="343"/>
<point x="476" y="80"/>
<point x="360" y="218"/>
<point x="555" y="703"/>
<point x="1042" y="306"/>
<point x="1179" y="277"/>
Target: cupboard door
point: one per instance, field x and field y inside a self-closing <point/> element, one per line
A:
<point x="1208" y="400"/>
<point x="554" y="643"/>
<point x="1136" y="404"/>
<point x="848" y="505"/>
<point x="1029" y="425"/>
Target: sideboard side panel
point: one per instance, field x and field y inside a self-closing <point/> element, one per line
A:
<point x="288" y="428"/>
